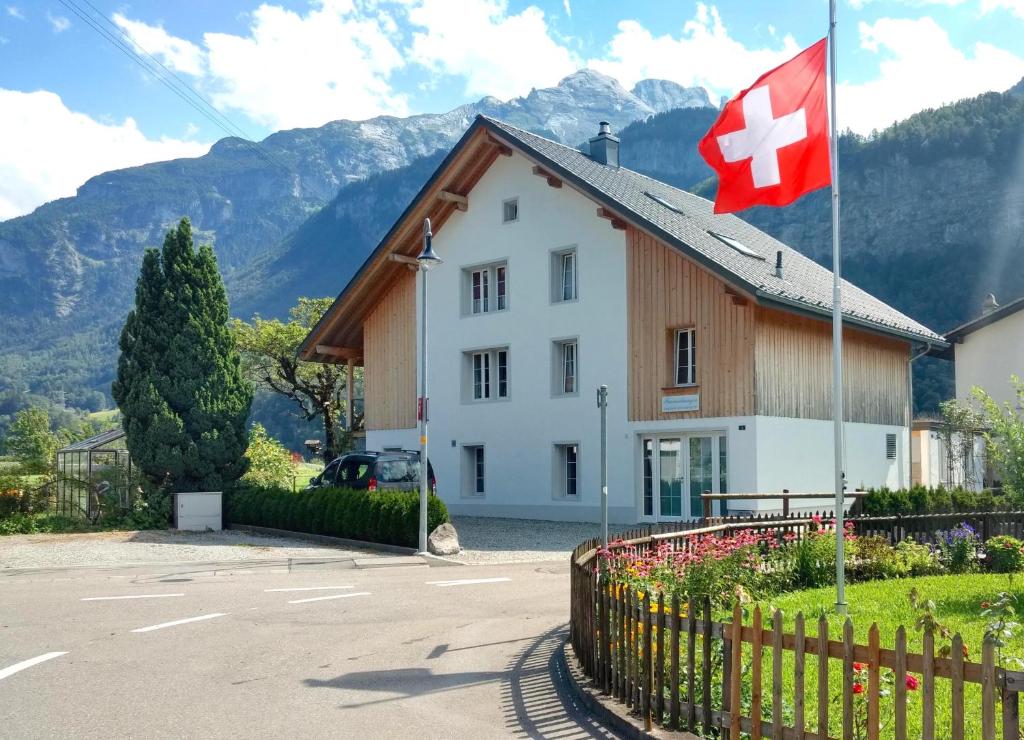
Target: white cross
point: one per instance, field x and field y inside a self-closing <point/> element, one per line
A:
<point x="764" y="135"/>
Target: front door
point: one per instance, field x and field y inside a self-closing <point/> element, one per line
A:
<point x="676" y="470"/>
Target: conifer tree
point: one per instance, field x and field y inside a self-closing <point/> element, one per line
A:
<point x="180" y="386"/>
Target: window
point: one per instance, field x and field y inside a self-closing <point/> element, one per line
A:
<point x="723" y="467"/>
<point x="474" y="479"/>
<point x="564" y="277"/>
<point x="890" y="446"/>
<point x="566" y="470"/>
<point x="510" y="210"/>
<point x="686" y="357"/>
<point x="485" y="289"/>
<point x="565" y="379"/>
<point x="486" y="375"/>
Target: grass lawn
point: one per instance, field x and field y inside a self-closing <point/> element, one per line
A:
<point x="957" y="605"/>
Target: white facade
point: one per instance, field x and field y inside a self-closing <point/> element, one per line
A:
<point x="521" y="434"/>
<point x="987" y="357"/>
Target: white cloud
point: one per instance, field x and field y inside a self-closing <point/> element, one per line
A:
<point x="1016" y="7"/>
<point x="59" y="23"/>
<point x="703" y="54"/>
<point x="304" y="70"/>
<point x="495" y="52"/>
<point x="15" y="12"/>
<point x="567" y="7"/>
<point x="859" y="4"/>
<point x="177" y="54"/>
<point x="920" y="68"/>
<point x="58" y="149"/>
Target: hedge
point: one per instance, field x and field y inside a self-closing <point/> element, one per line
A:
<point x="388" y="517"/>
<point x="923" y="500"/>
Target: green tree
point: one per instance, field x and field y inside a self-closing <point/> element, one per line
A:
<point x="269" y="462"/>
<point x="31" y="443"/>
<point x="1005" y="437"/>
<point x="180" y="387"/>
<point x="270" y="356"/>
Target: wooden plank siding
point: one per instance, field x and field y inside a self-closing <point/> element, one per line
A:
<point x="750" y="359"/>
<point x="793" y="361"/>
<point x="666" y="291"/>
<point x="389" y="345"/>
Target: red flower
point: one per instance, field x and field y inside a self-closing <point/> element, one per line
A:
<point x="912" y="682"/>
<point x="985" y="605"/>
<point x="858" y="667"/>
<point x="858" y="687"/>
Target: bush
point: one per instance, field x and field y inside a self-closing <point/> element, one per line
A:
<point x="958" y="549"/>
<point x="388" y="517"/>
<point x="877" y="559"/>
<point x="1004" y="554"/>
<point x="922" y="500"/>
<point x="920" y="560"/>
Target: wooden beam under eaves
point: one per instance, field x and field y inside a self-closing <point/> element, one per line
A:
<point x="617" y="223"/>
<point x="344" y="353"/>
<point x="503" y="149"/>
<point x="552" y="180"/>
<point x="461" y="201"/>
<point x="738" y="299"/>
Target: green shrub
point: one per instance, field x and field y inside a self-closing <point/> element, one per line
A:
<point x="1004" y="554"/>
<point x="389" y="517"/>
<point x="922" y="500"/>
<point x="875" y="558"/>
<point x="920" y="560"/>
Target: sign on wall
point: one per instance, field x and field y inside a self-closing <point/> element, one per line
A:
<point x="689" y="402"/>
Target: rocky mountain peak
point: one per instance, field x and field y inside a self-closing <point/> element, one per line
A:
<point x="663" y="95"/>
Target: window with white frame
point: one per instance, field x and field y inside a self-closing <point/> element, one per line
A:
<point x="486" y="376"/>
<point x="565" y="364"/>
<point x="510" y="210"/>
<point x="685" y="357"/>
<point x="567" y="470"/>
<point x="564" y="276"/>
<point x="473" y="472"/>
<point x="485" y="288"/>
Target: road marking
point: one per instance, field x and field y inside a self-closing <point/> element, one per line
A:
<point x="325" y="598"/>
<point x="134" y="596"/>
<point x="305" y="588"/>
<point x="176" y="622"/>
<point x="11" y="670"/>
<point x="466" y="582"/>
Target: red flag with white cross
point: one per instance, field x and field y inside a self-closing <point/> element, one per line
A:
<point x="770" y="144"/>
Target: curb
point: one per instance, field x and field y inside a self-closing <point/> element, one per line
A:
<point x="609" y="713"/>
<point x="324" y="539"/>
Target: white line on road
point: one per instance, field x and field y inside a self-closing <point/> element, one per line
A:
<point x="134" y="596"/>
<point x="11" y="670"/>
<point x="466" y="582"/>
<point x="325" y="598"/>
<point x="176" y="622"/>
<point x="305" y="588"/>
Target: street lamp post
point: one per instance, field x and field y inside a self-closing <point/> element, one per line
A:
<point x="426" y="259"/>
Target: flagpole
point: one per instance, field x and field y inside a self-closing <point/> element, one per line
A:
<point x="837" y="324"/>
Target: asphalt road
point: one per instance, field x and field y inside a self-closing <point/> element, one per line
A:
<point x="279" y="649"/>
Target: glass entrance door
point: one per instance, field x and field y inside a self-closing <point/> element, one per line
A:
<point x="676" y="470"/>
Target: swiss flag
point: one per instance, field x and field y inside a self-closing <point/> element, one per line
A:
<point x="769" y="146"/>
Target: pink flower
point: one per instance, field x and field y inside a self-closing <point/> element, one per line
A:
<point x="912" y="682"/>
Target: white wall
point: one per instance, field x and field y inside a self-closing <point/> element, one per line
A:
<point x="989" y="356"/>
<point x="519" y="434"/>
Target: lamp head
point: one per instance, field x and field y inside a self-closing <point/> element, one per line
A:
<point x="427" y="258"/>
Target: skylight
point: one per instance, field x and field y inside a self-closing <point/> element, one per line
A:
<point x="662" y="202"/>
<point x="739" y="247"/>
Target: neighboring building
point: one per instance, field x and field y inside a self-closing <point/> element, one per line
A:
<point x="935" y="465"/>
<point x="562" y="272"/>
<point x="987" y="351"/>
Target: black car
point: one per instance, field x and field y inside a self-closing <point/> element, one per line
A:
<point x="397" y="470"/>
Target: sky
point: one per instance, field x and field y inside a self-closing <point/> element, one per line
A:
<point x="73" y="104"/>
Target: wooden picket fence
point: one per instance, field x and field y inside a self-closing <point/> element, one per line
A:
<point x="676" y="667"/>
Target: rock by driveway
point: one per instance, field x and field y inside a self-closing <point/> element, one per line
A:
<point x="155" y="546"/>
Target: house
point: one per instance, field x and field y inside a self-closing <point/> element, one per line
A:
<point x="563" y="271"/>
<point x="942" y="457"/>
<point x="987" y="351"/>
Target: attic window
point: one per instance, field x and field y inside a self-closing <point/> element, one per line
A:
<point x="662" y="202"/>
<point x="741" y="248"/>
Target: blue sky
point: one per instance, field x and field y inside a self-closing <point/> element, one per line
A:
<point x="74" y="105"/>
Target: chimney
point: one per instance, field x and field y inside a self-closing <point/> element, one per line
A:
<point x="778" y="264"/>
<point x="989" y="305"/>
<point x="604" y="147"/>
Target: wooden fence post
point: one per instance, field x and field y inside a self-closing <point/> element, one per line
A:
<point x="705" y="670"/>
<point x="874" y="682"/>
<point x="659" y="666"/>
<point x="755" y="675"/>
<point x="799" y="649"/>
<point x="822" y="677"/>
<point x="957" y="688"/>
<point x="900" y="708"/>
<point x="736" y="672"/>
<point x="928" y="686"/>
<point x="988" y="691"/>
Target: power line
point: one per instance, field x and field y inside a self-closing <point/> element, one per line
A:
<point x="169" y="80"/>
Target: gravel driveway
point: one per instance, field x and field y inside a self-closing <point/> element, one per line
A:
<point x="494" y="540"/>
<point x="155" y="546"/>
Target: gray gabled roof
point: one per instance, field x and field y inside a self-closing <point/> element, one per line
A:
<point x="958" y="334"/>
<point x="688" y="223"/>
